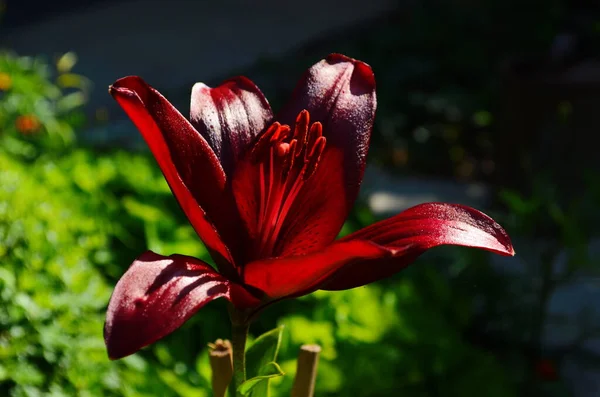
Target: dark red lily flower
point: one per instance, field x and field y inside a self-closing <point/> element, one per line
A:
<point x="268" y="196"/>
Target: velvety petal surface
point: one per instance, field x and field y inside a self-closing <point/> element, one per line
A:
<point x="339" y="92"/>
<point x="412" y="232"/>
<point x="157" y="295"/>
<point x="188" y="163"/>
<point x="301" y="274"/>
<point x="229" y="117"/>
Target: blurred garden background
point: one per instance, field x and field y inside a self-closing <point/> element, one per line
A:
<point x="493" y="104"/>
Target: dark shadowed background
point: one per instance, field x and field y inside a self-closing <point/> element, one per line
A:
<point x="493" y="104"/>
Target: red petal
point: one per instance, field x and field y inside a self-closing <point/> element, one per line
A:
<point x="157" y="295"/>
<point x="301" y="274"/>
<point x="378" y="251"/>
<point x="412" y="232"/>
<point x="229" y="117"/>
<point x="339" y="92"/>
<point x="187" y="162"/>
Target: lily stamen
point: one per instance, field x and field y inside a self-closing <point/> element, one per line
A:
<point x="286" y="167"/>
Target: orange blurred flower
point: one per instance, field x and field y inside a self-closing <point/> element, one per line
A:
<point x="27" y="124"/>
<point x="5" y="81"/>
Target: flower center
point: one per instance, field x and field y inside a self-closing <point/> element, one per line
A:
<point x="286" y="161"/>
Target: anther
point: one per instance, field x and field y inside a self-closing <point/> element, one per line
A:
<point x="301" y="130"/>
<point x="316" y="131"/>
<point x="264" y="141"/>
<point x="280" y="134"/>
<point x="314" y="157"/>
<point x="289" y="160"/>
<point x="283" y="173"/>
<point x="272" y="136"/>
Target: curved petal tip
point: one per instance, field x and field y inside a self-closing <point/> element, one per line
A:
<point x="128" y="85"/>
<point x="407" y="235"/>
<point x="362" y="75"/>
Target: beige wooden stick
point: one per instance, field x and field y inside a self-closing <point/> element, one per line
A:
<point x="221" y="363"/>
<point x="306" y="371"/>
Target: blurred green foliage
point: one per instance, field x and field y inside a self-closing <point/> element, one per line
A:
<point x="56" y="226"/>
<point x="40" y="105"/>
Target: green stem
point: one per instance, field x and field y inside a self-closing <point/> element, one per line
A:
<point x="239" y="334"/>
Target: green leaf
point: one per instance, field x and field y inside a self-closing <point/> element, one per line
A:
<point x="263" y="352"/>
<point x="259" y="385"/>
<point x="260" y="363"/>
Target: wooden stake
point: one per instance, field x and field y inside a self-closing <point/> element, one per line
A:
<point x="221" y="363"/>
<point x="306" y="371"/>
